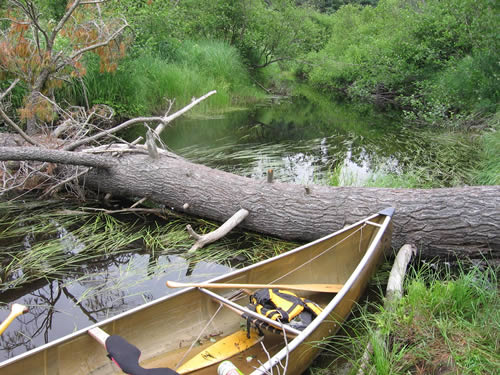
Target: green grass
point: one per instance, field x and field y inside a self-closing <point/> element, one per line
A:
<point x="143" y="85"/>
<point x="444" y="324"/>
<point x="488" y="172"/>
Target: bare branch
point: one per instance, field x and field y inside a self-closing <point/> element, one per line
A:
<point x="162" y="120"/>
<point x="26" y="137"/>
<point x="167" y="119"/>
<point x="69" y="179"/>
<point x="55" y="156"/>
<point x="93" y="2"/>
<point x="202" y="240"/>
<point x="12" y="85"/>
<point x="104" y="133"/>
<point x="8" y="120"/>
<point x="33" y="15"/>
<point x="62" y="22"/>
<point x="95" y="46"/>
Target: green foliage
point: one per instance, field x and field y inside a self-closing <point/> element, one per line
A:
<point x="53" y="9"/>
<point x="328" y="6"/>
<point x="143" y="85"/>
<point x="436" y="58"/>
<point x="262" y="31"/>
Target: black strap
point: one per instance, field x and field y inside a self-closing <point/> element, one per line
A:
<point x="127" y="356"/>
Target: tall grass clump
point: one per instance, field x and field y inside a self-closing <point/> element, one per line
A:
<point x="447" y="324"/>
<point x="144" y="84"/>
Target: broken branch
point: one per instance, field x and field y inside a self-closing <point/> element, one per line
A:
<point x="202" y="240"/>
<point x="167" y="119"/>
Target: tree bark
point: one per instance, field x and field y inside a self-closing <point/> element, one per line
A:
<point x="463" y="221"/>
<point x="440" y="222"/>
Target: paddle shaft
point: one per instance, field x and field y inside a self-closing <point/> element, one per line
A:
<point x="323" y="288"/>
<point x="15" y="310"/>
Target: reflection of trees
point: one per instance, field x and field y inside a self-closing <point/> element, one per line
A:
<point x="36" y="322"/>
<point x="80" y="305"/>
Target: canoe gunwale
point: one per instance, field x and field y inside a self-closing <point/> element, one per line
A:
<point x="291" y="344"/>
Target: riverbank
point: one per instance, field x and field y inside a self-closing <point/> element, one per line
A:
<point x="446" y="323"/>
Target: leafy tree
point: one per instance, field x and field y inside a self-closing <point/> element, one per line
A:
<point x="263" y="31"/>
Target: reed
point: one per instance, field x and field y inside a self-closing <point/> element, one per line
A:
<point x="488" y="171"/>
<point x="51" y="240"/>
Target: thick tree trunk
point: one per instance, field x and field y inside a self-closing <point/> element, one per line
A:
<point x="441" y="222"/>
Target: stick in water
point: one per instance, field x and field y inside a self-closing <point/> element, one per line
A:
<point x="15" y="310"/>
<point x="324" y="288"/>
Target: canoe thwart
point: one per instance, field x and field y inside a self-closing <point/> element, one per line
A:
<point x="323" y="288"/>
<point x="241" y="310"/>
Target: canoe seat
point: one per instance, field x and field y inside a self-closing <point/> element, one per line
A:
<point x="126" y="356"/>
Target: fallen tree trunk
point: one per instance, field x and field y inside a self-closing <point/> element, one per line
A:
<point x="462" y="221"/>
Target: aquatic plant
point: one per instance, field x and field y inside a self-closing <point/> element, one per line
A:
<point x="49" y="240"/>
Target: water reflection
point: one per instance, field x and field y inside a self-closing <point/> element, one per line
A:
<point x="308" y="143"/>
<point x="60" y="307"/>
<point x="300" y="142"/>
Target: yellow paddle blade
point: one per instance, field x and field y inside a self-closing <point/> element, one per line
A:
<point x="221" y="350"/>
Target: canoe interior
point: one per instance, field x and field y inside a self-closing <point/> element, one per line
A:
<point x="164" y="330"/>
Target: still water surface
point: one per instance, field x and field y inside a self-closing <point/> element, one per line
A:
<point x="60" y="307"/>
<point x="300" y="142"/>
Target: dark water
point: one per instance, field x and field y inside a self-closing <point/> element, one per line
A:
<point x="301" y="141"/>
<point x="59" y="307"/>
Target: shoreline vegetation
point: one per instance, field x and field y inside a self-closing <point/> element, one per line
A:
<point x="447" y="322"/>
<point x="433" y="62"/>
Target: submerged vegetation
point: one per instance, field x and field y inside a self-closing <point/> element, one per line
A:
<point x="46" y="240"/>
<point x="444" y="324"/>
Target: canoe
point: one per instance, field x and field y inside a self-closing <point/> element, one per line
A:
<point x="171" y="331"/>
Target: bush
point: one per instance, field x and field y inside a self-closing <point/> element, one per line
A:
<point x="436" y="58"/>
